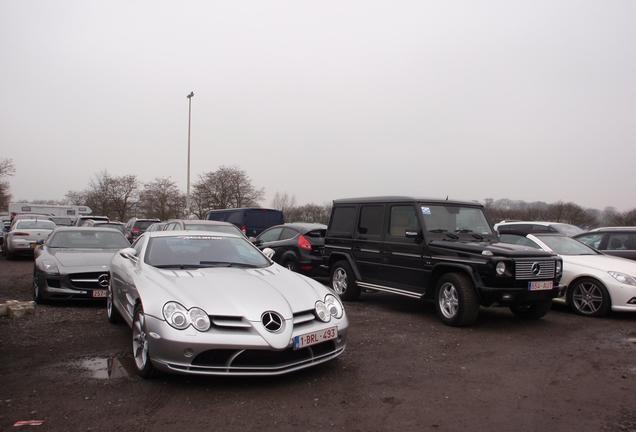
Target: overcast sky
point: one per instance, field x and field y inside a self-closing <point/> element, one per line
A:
<point x="532" y="100"/>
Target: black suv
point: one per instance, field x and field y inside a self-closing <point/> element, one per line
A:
<point x="441" y="250"/>
<point x="251" y="221"/>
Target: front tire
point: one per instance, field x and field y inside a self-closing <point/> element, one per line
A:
<point x="141" y="353"/>
<point x="532" y="311"/>
<point x="456" y="301"/>
<point x="111" y="311"/>
<point x="37" y="292"/>
<point x="589" y="297"/>
<point x="291" y="264"/>
<point x="343" y="281"/>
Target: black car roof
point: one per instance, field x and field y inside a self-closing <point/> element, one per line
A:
<point x="242" y="209"/>
<point x="304" y="226"/>
<point x="397" y="198"/>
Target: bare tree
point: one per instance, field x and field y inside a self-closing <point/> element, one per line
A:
<point x="309" y="213"/>
<point x="162" y="199"/>
<point x="227" y="187"/>
<point x="283" y="202"/>
<point x="7" y="169"/>
<point x="115" y="197"/>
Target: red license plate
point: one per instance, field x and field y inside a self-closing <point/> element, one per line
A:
<point x="540" y="285"/>
<point x="315" y="337"/>
<point x="100" y="293"/>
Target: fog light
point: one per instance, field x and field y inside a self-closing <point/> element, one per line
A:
<point x="501" y="268"/>
<point x="506" y="297"/>
<point x="188" y="353"/>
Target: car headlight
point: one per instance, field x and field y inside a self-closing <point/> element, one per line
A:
<point x="179" y="317"/>
<point x="501" y="268"/>
<point x="50" y="267"/>
<point x="199" y="319"/>
<point x="623" y="278"/>
<point x="334" y="306"/>
<point x="322" y="312"/>
<point x="559" y="266"/>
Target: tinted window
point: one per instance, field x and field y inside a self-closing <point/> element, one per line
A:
<point x="218" y="216"/>
<point x="319" y="233"/>
<point x="619" y="242"/>
<point x="402" y="219"/>
<point x="371" y="220"/>
<point x="343" y="220"/>
<point x="88" y="240"/>
<point x="142" y="225"/>
<point x="593" y="240"/>
<point x="235" y="218"/>
<point x="202" y="251"/>
<point x="270" y="235"/>
<point x="288" y="233"/>
<point x="263" y="218"/>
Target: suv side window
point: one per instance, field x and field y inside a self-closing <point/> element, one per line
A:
<point x="592" y="240"/>
<point x="403" y="218"/>
<point x="342" y="220"/>
<point x="236" y="218"/>
<point x="621" y="241"/>
<point x="371" y="220"/>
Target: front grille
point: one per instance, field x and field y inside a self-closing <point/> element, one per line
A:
<point x="304" y="318"/>
<point x="229" y="322"/>
<point x="524" y="268"/>
<point x="87" y="280"/>
<point x="254" y="358"/>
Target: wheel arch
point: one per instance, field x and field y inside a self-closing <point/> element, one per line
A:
<point x="444" y="268"/>
<point x="339" y="256"/>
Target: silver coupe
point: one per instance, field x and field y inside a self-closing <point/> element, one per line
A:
<point x="213" y="304"/>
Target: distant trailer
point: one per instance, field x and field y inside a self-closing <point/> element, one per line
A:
<point x="71" y="211"/>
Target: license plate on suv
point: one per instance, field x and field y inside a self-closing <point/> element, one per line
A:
<point x="316" y="337"/>
<point x="100" y="293"/>
<point x="540" y="285"/>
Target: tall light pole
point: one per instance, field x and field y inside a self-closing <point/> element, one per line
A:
<point x="189" y="123"/>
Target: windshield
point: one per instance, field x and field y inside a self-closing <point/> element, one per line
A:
<point x="202" y="251"/>
<point x="454" y="219"/>
<point x="227" y="229"/>
<point x="118" y="227"/>
<point x="88" y="240"/>
<point x="566" y="245"/>
<point x="39" y="224"/>
<point x="568" y="230"/>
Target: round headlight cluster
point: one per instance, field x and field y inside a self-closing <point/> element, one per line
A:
<point x="501" y="268"/>
<point x="330" y="307"/>
<point x="180" y="318"/>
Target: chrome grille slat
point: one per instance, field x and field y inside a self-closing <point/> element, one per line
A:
<point x="523" y="269"/>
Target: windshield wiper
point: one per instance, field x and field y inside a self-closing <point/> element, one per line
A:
<point x="179" y="266"/>
<point x="224" y="264"/>
<point x="471" y="232"/>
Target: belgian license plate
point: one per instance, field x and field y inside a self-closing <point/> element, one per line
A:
<point x="315" y="337"/>
<point x="540" y="285"/>
<point x="100" y="293"/>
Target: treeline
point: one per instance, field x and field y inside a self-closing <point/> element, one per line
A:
<point x="6" y="170"/>
<point x="566" y="212"/>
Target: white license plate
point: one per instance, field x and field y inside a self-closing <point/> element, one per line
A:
<point x="540" y="285"/>
<point x="315" y="337"/>
<point x="100" y="293"/>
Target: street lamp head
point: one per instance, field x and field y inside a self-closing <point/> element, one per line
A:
<point x="190" y="95"/>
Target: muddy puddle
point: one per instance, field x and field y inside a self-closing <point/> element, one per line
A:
<point x="107" y="367"/>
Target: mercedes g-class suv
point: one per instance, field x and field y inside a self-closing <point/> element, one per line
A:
<point x="441" y="250"/>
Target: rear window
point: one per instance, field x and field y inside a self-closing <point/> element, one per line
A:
<point x="342" y="220"/>
<point x="142" y="225"/>
<point x="40" y="224"/>
<point x="319" y="233"/>
<point x="218" y="216"/>
<point x="263" y="218"/>
<point x="229" y="229"/>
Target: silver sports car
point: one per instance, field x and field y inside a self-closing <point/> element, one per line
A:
<point x="73" y="263"/>
<point x="213" y="304"/>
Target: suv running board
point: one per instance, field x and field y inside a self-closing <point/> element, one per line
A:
<point x="389" y="290"/>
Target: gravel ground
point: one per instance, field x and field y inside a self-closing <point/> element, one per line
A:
<point x="403" y="370"/>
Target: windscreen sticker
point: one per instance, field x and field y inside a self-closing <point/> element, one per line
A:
<point x="426" y="210"/>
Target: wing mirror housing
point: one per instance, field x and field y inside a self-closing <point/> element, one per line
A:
<point x="128" y="253"/>
<point x="269" y="252"/>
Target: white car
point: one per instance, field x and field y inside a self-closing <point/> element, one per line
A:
<point x="211" y="303"/>
<point x="596" y="283"/>
<point x="25" y="235"/>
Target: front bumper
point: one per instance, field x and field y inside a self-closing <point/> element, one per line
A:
<point x="60" y="287"/>
<point x="236" y="352"/>
<point x="517" y="296"/>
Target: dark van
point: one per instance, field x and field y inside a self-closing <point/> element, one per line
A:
<point x="251" y="221"/>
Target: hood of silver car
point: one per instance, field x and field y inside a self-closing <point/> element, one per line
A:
<point x="247" y="293"/>
<point x="82" y="257"/>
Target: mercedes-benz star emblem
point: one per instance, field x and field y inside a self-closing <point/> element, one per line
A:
<point x="536" y="269"/>
<point x="272" y="321"/>
<point x="103" y="280"/>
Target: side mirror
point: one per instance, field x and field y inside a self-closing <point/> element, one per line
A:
<point x="128" y="253"/>
<point x="269" y="252"/>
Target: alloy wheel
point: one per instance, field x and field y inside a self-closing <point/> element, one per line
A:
<point x="587" y="297"/>
<point x="448" y="300"/>
<point x="140" y="341"/>
<point x="339" y="282"/>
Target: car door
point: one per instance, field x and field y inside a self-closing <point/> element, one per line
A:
<point x="127" y="293"/>
<point x="621" y="245"/>
<point x="407" y="268"/>
<point x="367" y="244"/>
<point x="270" y="239"/>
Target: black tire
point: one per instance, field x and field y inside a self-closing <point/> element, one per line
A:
<point x="343" y="281"/>
<point x="37" y="292"/>
<point x="146" y="369"/>
<point x="9" y="255"/>
<point x="111" y="311"/>
<point x="533" y="311"/>
<point x="466" y="310"/>
<point x="576" y="303"/>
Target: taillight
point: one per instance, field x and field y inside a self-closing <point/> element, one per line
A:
<point x="20" y="234"/>
<point x="244" y="229"/>
<point x="136" y="230"/>
<point x="303" y="243"/>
